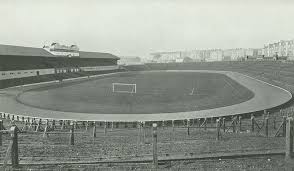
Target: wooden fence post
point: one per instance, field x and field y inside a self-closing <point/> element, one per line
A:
<point x="252" y="123"/>
<point x="284" y="126"/>
<point x="67" y="124"/>
<point x="71" y="135"/>
<point x="87" y="125"/>
<point x="105" y="128"/>
<point x="14" y="149"/>
<point x="205" y="123"/>
<point x="224" y="124"/>
<point x="266" y="126"/>
<point x="45" y="135"/>
<point x="155" y="157"/>
<point x="30" y="122"/>
<point x="112" y="125"/>
<point x="195" y="122"/>
<point x="234" y="124"/>
<point x="77" y="126"/>
<point x="53" y="125"/>
<point x="218" y="129"/>
<point x="240" y="123"/>
<point x="274" y="122"/>
<point x="139" y="133"/>
<point x="35" y="124"/>
<point x="62" y="124"/>
<point x="94" y="130"/>
<point x="173" y="125"/>
<point x="39" y="125"/>
<point x="143" y="130"/>
<point x="188" y="127"/>
<point x="289" y="138"/>
<point x="1" y="128"/>
<point x="83" y="124"/>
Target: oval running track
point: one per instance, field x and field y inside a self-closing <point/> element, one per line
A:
<point x="265" y="96"/>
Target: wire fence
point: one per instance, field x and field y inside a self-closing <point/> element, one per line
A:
<point x="59" y="142"/>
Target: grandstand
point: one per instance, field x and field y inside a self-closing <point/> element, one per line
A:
<point x="21" y="65"/>
<point x="27" y="58"/>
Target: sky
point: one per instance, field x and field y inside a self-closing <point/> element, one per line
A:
<point x="138" y="28"/>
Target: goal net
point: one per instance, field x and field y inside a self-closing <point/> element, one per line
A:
<point x="124" y="88"/>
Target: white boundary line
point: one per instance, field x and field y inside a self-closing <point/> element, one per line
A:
<point x="267" y="84"/>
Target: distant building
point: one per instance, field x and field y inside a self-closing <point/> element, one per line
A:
<point x="283" y="48"/>
<point x="57" y="49"/>
<point x="234" y="54"/>
<point x="130" y="60"/>
<point x="215" y="55"/>
<point x="209" y="55"/>
<point x="184" y="60"/>
<point x="166" y="57"/>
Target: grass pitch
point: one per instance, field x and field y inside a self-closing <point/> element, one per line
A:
<point x="157" y="92"/>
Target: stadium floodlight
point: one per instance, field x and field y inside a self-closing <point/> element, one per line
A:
<point x="124" y="88"/>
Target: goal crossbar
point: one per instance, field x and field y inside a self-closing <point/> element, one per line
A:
<point x="130" y="88"/>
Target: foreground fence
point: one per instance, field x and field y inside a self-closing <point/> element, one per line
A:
<point x="140" y="141"/>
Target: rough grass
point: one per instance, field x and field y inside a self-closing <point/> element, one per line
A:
<point x="124" y="144"/>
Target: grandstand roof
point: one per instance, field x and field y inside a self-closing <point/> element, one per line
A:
<point x="11" y="50"/>
<point x="23" y="51"/>
<point x="84" y="54"/>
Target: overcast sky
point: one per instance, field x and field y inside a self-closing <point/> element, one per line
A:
<point x="137" y="27"/>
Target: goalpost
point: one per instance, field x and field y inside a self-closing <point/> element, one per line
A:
<point x="124" y="88"/>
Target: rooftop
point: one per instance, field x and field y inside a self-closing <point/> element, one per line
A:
<point x="84" y="54"/>
<point x="10" y="50"/>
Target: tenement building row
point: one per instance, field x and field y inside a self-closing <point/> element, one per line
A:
<point x="283" y="48"/>
<point x="273" y="51"/>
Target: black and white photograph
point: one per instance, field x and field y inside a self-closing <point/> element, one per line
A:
<point x="151" y="85"/>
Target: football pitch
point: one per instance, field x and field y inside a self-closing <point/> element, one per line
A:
<point x="156" y="92"/>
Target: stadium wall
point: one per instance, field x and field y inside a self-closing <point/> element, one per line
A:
<point x="24" y="73"/>
<point x="100" y="68"/>
<point x="37" y="72"/>
<point x="12" y="63"/>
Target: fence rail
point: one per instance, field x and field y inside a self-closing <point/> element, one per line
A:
<point x="221" y="127"/>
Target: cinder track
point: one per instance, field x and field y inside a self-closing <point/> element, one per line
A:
<point x="266" y="96"/>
